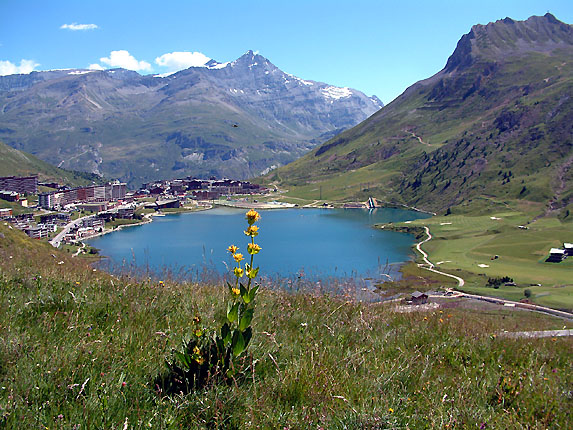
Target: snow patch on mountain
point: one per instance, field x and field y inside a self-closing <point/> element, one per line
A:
<point x="336" y="93"/>
<point x="81" y="72"/>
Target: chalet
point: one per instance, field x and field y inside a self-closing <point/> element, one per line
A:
<point x="556" y="255"/>
<point x="5" y="213"/>
<point x="568" y="247"/>
<point x="418" y="298"/>
<point x="10" y="196"/>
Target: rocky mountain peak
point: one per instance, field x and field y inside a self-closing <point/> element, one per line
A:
<point x="506" y="37"/>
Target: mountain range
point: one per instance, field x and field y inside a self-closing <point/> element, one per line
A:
<point x="233" y="119"/>
<point x="496" y="124"/>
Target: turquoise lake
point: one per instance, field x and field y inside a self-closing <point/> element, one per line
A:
<point x="309" y="243"/>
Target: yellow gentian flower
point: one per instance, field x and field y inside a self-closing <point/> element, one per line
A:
<point x="232" y="249"/>
<point x="252" y="216"/>
<point x="253" y="248"/>
<point x="238" y="257"/>
<point x="252" y="231"/>
<point x="238" y="272"/>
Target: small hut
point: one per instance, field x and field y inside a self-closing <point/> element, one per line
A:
<point x="419" y="298"/>
<point x="556" y="255"/>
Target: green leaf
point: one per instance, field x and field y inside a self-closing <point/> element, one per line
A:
<point x="183" y="359"/>
<point x="226" y="334"/>
<point x="253" y="293"/>
<point x="232" y="312"/>
<point x="244" y="293"/>
<point x="246" y="319"/>
<point x="247" y="334"/>
<point x="238" y="343"/>
<point x="253" y="273"/>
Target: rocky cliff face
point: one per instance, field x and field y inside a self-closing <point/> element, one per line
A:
<point x="226" y="119"/>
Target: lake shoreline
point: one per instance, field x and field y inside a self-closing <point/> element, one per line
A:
<point x="337" y="244"/>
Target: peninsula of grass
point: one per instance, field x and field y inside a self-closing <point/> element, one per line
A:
<point x="81" y="349"/>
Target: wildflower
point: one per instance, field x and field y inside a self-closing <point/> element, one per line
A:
<point x="161" y="283"/>
<point x="123" y="384"/>
<point x="196" y="350"/>
<point x="196" y="320"/>
<point x="232" y="249"/>
<point x="198" y="332"/>
<point x="252" y="273"/>
<point x="235" y="291"/>
<point x="253" y="248"/>
<point x="391" y="410"/>
<point x="252" y="231"/>
<point x="441" y="320"/>
<point x="77" y="282"/>
<point x="238" y="272"/>
<point x="238" y="257"/>
<point x="252" y="216"/>
<point x="200" y="360"/>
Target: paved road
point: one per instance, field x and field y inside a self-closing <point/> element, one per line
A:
<point x="536" y="334"/>
<point x="57" y="240"/>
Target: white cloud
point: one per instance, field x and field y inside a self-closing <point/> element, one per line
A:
<point x="95" y="67"/>
<point x="25" y="67"/>
<point x="124" y="60"/>
<point x="175" y="61"/>
<point x="78" y="27"/>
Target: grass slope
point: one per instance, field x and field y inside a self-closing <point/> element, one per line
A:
<point x="499" y="127"/>
<point x="18" y="163"/>
<point x="464" y="242"/>
<point x="81" y="348"/>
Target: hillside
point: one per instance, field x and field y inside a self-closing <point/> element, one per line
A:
<point x="82" y="349"/>
<point x="497" y="121"/>
<point x="231" y="119"/>
<point x="18" y="163"/>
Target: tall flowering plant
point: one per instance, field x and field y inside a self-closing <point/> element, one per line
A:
<point x="236" y="332"/>
<point x="205" y="357"/>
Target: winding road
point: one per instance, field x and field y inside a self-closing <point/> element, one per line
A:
<point x="428" y="265"/>
<point x="431" y="265"/>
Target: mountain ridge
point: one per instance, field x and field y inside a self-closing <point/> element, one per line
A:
<point x="445" y="140"/>
<point x="226" y="119"/>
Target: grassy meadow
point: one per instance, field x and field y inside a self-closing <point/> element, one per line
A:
<point x="81" y="349"/>
<point x="466" y="245"/>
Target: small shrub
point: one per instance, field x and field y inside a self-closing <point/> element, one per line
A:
<point x="496" y="282"/>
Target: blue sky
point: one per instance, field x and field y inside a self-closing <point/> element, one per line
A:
<point x="379" y="47"/>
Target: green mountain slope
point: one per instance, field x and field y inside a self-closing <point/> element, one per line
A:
<point x="18" y="163"/>
<point x="496" y="121"/>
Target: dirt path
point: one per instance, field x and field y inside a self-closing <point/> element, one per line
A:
<point x="431" y="265"/>
<point x="415" y="136"/>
